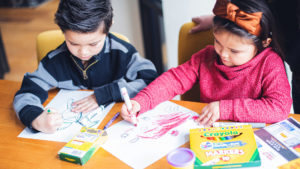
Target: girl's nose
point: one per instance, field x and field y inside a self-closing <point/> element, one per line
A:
<point x="224" y="54"/>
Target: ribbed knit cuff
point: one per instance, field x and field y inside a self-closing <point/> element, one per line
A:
<point x="226" y="110"/>
<point x="143" y="100"/>
<point x="107" y="93"/>
<point x="28" y="114"/>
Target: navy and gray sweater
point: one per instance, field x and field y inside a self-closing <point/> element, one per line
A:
<point x="117" y="65"/>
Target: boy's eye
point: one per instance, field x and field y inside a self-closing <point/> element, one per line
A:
<point x="73" y="44"/>
<point x="93" y="44"/>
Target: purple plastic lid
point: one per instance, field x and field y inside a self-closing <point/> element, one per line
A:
<point x="181" y="157"/>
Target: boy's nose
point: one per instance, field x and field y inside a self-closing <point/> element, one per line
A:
<point x="83" y="51"/>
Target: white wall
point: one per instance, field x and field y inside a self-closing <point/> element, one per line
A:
<point x="176" y="13"/>
<point x="127" y="22"/>
<point x="289" y="75"/>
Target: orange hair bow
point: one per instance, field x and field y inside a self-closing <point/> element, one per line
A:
<point x="248" y="21"/>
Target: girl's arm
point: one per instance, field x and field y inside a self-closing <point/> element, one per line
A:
<point x="174" y="82"/>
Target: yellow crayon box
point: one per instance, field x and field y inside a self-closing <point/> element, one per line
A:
<point x="224" y="147"/>
<point x="82" y="147"/>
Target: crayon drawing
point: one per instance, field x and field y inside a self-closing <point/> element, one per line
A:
<point x="90" y="119"/>
<point x="72" y="122"/>
<point x="158" y="131"/>
<point x="156" y="126"/>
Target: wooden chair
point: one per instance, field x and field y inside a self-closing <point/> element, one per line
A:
<point x="189" y="44"/>
<point x="51" y="39"/>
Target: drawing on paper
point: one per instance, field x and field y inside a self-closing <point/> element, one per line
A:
<point x="156" y="126"/>
<point x="159" y="131"/>
<point x="84" y="119"/>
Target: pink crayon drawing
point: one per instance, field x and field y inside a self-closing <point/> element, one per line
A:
<point x="164" y="124"/>
<point x="157" y="126"/>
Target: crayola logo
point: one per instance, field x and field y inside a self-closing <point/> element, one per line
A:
<point x="221" y="134"/>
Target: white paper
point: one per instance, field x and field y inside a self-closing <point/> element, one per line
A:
<point x="72" y="122"/>
<point x="158" y="132"/>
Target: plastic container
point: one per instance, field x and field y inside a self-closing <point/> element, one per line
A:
<point x="181" y="158"/>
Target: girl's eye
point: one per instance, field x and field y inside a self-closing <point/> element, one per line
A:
<point x="234" y="51"/>
<point x="216" y="41"/>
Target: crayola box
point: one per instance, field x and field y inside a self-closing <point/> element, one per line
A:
<point x="81" y="148"/>
<point x="224" y="147"/>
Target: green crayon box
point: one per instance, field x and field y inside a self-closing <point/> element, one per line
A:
<point x="82" y="147"/>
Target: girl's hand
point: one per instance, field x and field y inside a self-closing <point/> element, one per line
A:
<point x="210" y="114"/>
<point x="126" y="115"/>
<point x="47" y="122"/>
<point x="85" y="105"/>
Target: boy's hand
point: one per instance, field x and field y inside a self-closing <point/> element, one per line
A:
<point x="126" y="115"/>
<point x="202" y="23"/>
<point x="210" y="114"/>
<point x="85" y="105"/>
<point x="47" y="122"/>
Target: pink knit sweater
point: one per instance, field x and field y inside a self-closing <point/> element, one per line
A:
<point x="257" y="91"/>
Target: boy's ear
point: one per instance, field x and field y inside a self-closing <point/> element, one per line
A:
<point x="266" y="42"/>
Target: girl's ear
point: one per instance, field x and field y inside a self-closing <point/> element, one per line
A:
<point x="266" y="42"/>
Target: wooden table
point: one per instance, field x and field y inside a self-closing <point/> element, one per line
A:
<point x="25" y="153"/>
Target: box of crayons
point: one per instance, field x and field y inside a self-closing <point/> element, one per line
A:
<point x="82" y="147"/>
<point x="224" y="147"/>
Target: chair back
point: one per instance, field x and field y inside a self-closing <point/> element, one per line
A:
<point x="189" y="44"/>
<point x="51" y="39"/>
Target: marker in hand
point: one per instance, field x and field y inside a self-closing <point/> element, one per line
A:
<point x="128" y="104"/>
<point x="50" y="111"/>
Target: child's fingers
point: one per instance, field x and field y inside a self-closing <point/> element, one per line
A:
<point x="86" y="107"/>
<point x="78" y="102"/>
<point x="85" y="100"/>
<point x="124" y="110"/>
<point x="125" y="113"/>
<point x="203" y="114"/>
<point x="215" y="117"/>
<point x="209" y="122"/>
<point x="206" y="119"/>
<point x="52" y="123"/>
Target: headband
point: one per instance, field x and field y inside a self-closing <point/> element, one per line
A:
<point x="248" y="21"/>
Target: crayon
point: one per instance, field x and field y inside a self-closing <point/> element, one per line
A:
<point x="112" y="120"/>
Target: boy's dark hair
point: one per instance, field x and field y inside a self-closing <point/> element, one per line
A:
<point x="84" y="15"/>
<point x="268" y="25"/>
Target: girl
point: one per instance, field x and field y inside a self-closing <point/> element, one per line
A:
<point x="242" y="76"/>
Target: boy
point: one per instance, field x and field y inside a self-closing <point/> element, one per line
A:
<point x="90" y="58"/>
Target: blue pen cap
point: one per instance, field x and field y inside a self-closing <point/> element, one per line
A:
<point x="181" y="157"/>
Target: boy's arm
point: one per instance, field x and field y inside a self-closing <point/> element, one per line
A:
<point x="139" y="73"/>
<point x="33" y="93"/>
<point x="274" y="104"/>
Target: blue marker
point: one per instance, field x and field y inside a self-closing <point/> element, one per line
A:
<point x="112" y="120"/>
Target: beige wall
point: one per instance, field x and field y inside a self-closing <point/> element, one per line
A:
<point x="127" y="22"/>
<point x="176" y="13"/>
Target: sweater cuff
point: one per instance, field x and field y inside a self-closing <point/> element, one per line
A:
<point x="143" y="100"/>
<point x="107" y="93"/>
<point x="226" y="110"/>
<point x="28" y="114"/>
